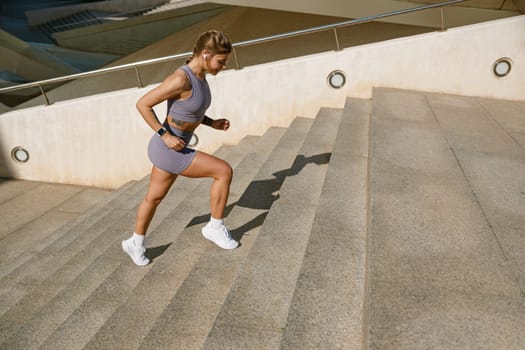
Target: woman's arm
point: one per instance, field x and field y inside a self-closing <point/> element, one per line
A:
<point x="219" y="124"/>
<point x="171" y="87"/>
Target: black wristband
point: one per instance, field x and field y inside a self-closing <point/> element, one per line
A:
<point x="207" y="120"/>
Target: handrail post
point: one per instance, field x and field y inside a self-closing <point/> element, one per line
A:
<point x="337" y="39"/>
<point x="44" y="94"/>
<point x="442" y="8"/>
<point x="236" y="59"/>
<point x="141" y="85"/>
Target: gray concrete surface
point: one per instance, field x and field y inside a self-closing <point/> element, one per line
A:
<point x="75" y="271"/>
<point x="441" y="276"/>
<point x="34" y="214"/>
<point x="261" y="295"/>
<point x="399" y="231"/>
<point x="164" y="288"/>
<point x="326" y="311"/>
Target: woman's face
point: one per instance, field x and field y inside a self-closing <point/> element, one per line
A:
<point x="216" y="62"/>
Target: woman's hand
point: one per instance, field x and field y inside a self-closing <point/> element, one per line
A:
<point x="173" y="142"/>
<point x="221" y="124"/>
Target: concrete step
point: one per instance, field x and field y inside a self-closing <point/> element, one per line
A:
<point x="330" y="289"/>
<point x="30" y="286"/>
<point x="394" y="223"/>
<point x="70" y="233"/>
<point x="74" y="237"/>
<point x="188" y="317"/>
<point x="486" y="143"/>
<point x="31" y="204"/>
<point x="10" y="189"/>
<point x="509" y="116"/>
<point x="95" y="310"/>
<point x="153" y="294"/>
<point x="440" y="276"/>
<point x="60" y="262"/>
<point x="254" y="313"/>
<point x="43" y="309"/>
<point x="34" y="233"/>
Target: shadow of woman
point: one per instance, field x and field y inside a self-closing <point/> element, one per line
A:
<point x="155" y="252"/>
<point x="260" y="194"/>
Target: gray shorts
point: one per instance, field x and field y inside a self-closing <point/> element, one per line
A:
<point x="167" y="159"/>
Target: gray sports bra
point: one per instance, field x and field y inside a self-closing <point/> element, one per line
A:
<point x="193" y="108"/>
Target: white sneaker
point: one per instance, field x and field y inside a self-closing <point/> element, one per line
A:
<point x="219" y="236"/>
<point x="135" y="252"/>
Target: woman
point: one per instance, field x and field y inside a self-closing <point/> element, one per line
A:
<point x="188" y="96"/>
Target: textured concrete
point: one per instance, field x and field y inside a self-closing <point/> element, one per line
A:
<point x="57" y="308"/>
<point x="174" y="262"/>
<point x="31" y="234"/>
<point x="174" y="299"/>
<point x="191" y="314"/>
<point x="430" y="255"/>
<point x="493" y="162"/>
<point x="74" y="275"/>
<point x="38" y="233"/>
<point x="326" y="311"/>
<point x="419" y="317"/>
<point x="10" y="189"/>
<point x="30" y="205"/>
<point x="261" y="295"/>
<point x="66" y="260"/>
<point x="26" y="237"/>
<point x="67" y="242"/>
<point x="439" y="275"/>
<point x="508" y="114"/>
<point x="101" y="253"/>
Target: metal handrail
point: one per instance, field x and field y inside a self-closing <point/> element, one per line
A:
<point x="139" y="64"/>
<point x="346" y="23"/>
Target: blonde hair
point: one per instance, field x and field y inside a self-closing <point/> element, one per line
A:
<point x="214" y="41"/>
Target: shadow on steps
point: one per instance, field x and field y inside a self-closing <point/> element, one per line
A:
<point x="260" y="194"/>
<point x="155" y="252"/>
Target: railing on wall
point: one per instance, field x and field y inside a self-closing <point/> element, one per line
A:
<point x="137" y="65"/>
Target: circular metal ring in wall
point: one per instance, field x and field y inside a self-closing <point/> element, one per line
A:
<point x="502" y="67"/>
<point x="20" y="154"/>
<point x="336" y="79"/>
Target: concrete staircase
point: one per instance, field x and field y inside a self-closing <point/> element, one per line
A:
<point x="76" y="20"/>
<point x="174" y="4"/>
<point x="394" y="223"/>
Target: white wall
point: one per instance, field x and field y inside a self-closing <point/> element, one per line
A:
<point x="101" y="140"/>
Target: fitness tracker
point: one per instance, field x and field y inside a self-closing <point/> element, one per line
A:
<point x="161" y="131"/>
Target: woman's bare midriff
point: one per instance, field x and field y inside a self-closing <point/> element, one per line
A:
<point x="182" y="125"/>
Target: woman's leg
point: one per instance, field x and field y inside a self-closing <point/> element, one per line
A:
<point x="205" y="165"/>
<point x="159" y="185"/>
